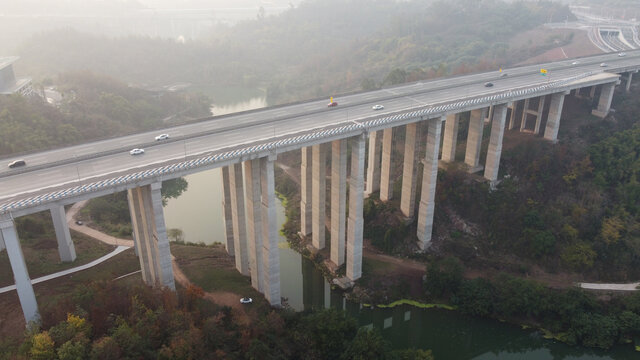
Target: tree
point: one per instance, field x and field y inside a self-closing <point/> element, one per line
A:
<point x="368" y="344"/>
<point x="172" y="189"/>
<point x="42" y="347"/>
<point x="444" y="276"/>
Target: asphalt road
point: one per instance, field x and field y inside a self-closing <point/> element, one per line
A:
<point x="70" y="165"/>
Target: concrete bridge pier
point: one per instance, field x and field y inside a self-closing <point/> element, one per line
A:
<point x="270" y="251"/>
<point x="2" y="246"/>
<point x="66" y="249"/>
<point x="319" y="192"/>
<point x="474" y="140"/>
<point x="604" y="103"/>
<point x="355" y="222"/>
<point x="254" y="221"/>
<point x="536" y="129"/>
<point x="553" y="119"/>
<point x="495" y="142"/>
<point x="373" y="163"/>
<point x="627" y="86"/>
<point x="238" y="219"/>
<point x="409" y="174"/>
<point x="9" y="237"/>
<point x="512" y="117"/>
<point x="306" y="177"/>
<point x="525" y="113"/>
<point x="227" y="215"/>
<point x="450" y="137"/>
<point x="429" y="178"/>
<point x="338" y="200"/>
<point x="145" y="205"/>
<point x="386" y="181"/>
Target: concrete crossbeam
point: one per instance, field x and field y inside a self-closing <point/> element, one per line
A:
<point x="239" y="221"/>
<point x="319" y="191"/>
<point x="536" y="129"/>
<point x="254" y="221"/>
<point x="373" y="163"/>
<point x="386" y="181"/>
<point x="474" y="139"/>
<point x="450" y="137"/>
<point x="355" y="225"/>
<point x="553" y="119"/>
<point x="429" y="179"/>
<point x="227" y="214"/>
<point x="150" y="233"/>
<point x="338" y="200"/>
<point x="66" y="249"/>
<point x="604" y="103"/>
<point x="495" y="142"/>
<point x="305" y="191"/>
<point x="26" y="295"/>
<point x="270" y="250"/>
<point x="409" y="173"/>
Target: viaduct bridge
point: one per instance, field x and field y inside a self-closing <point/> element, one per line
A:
<point x="245" y="146"/>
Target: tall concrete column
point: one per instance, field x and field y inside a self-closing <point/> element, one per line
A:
<point x="150" y="233"/>
<point x="489" y="114"/>
<point x="66" y="249"/>
<point x="525" y="114"/>
<point x="450" y="138"/>
<point x="553" y="119"/>
<point x="604" y="104"/>
<point x="429" y="178"/>
<point x="355" y="225"/>
<point x="338" y="200"/>
<point x="474" y="140"/>
<point x="536" y="129"/>
<point x="319" y="190"/>
<point x="495" y="142"/>
<point x="227" y="214"/>
<point x="409" y="178"/>
<point x="305" y="191"/>
<point x="592" y="91"/>
<point x="239" y="222"/>
<point x="627" y="86"/>
<point x="373" y="163"/>
<point x="386" y="181"/>
<point x="2" y="246"/>
<point x="270" y="251"/>
<point x="27" y="297"/>
<point x="512" y="118"/>
<point x="254" y="221"/>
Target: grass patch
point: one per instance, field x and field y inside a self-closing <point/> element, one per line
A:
<point x="42" y="258"/>
<point x="211" y="268"/>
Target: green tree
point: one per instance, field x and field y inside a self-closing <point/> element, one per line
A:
<point x="368" y="344"/>
<point x="444" y="276"/>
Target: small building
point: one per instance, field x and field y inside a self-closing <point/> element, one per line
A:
<point x="8" y="82"/>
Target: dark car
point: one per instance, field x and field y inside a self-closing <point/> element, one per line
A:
<point x="17" y="163"/>
<point x="332" y="104"/>
<point x="488" y="84"/>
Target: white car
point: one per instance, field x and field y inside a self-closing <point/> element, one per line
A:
<point x="622" y="54"/>
<point x="136" y="152"/>
<point x="162" y="137"/>
<point x="603" y="65"/>
<point x="246" y="300"/>
<point x="575" y="63"/>
<point x="377" y="107"/>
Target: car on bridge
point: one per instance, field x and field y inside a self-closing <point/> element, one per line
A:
<point x="332" y="104"/>
<point x="378" y="107"/>
<point x="603" y="65"/>
<point x="162" y="137"/>
<point x="488" y="84"/>
<point x="136" y="151"/>
<point x="17" y="163"/>
<point x="622" y="54"/>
